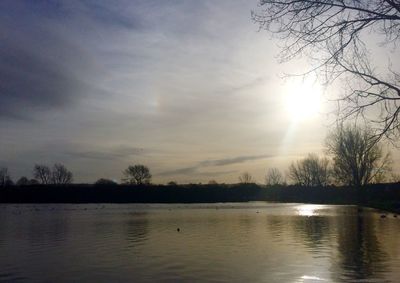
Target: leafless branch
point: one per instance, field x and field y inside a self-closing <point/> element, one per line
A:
<point x="331" y="34"/>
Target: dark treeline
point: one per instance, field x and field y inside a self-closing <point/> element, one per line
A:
<point x="385" y="196"/>
<point x="355" y="174"/>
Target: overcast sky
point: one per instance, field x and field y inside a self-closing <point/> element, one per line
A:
<point x="191" y="89"/>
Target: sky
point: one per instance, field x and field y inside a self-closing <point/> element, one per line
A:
<point x="192" y="89"/>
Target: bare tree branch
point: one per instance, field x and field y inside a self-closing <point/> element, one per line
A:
<point x="331" y="34"/>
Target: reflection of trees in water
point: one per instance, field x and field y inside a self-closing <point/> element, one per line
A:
<point x="246" y="223"/>
<point x="359" y="253"/>
<point x="276" y="224"/>
<point x="45" y="227"/>
<point x="136" y="228"/>
<point x="312" y="229"/>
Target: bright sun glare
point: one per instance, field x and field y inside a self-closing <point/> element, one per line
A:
<point x="303" y="100"/>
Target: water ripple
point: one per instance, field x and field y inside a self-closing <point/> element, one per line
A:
<point x="248" y="242"/>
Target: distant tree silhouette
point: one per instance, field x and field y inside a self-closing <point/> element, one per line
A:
<point x="137" y="174"/>
<point x="331" y="34"/>
<point x="103" y="181"/>
<point x="381" y="177"/>
<point x="42" y="173"/>
<point x="246" y="178"/>
<point x="33" y="182"/>
<point x="23" y="181"/>
<point x="395" y="178"/>
<point x="60" y="175"/>
<point x="311" y="171"/>
<point x="172" y="183"/>
<point x="212" y="182"/>
<point x="274" y="177"/>
<point x="5" y="179"/>
<point x="357" y="158"/>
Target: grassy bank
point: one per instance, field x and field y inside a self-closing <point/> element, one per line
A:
<point x="382" y="196"/>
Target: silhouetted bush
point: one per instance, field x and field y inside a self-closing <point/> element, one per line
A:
<point x="23" y="181"/>
<point x="105" y="182"/>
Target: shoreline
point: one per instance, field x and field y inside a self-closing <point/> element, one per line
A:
<point x="384" y="197"/>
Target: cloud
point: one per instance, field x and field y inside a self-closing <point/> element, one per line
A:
<point x="49" y="52"/>
<point x="181" y="171"/>
<point x="107" y="154"/>
<point x="217" y="162"/>
<point x="194" y="171"/>
<point x="39" y="70"/>
<point x="234" y="160"/>
<point x="111" y="14"/>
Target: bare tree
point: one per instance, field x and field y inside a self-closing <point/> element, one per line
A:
<point x="137" y="174"/>
<point x="23" y="181"/>
<point x="395" y="178"/>
<point x="357" y="159"/>
<point x="274" y="177"/>
<point x="60" y="175"/>
<point x="5" y="179"/>
<point x="42" y="173"/>
<point x="311" y="171"/>
<point x="246" y="178"/>
<point x="381" y="176"/>
<point x="331" y="33"/>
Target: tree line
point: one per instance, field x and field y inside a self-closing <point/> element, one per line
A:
<point x="60" y="175"/>
<point x="356" y="160"/>
<point x="42" y="174"/>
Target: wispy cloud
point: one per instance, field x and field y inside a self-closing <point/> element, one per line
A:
<point x="106" y="154"/>
<point x="233" y="160"/>
<point x="217" y="163"/>
<point x="180" y="171"/>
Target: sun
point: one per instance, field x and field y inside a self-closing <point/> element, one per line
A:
<point x="303" y="100"/>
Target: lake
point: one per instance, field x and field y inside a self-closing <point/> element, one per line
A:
<point x="231" y="242"/>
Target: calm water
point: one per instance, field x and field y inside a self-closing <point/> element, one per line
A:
<point x="248" y="242"/>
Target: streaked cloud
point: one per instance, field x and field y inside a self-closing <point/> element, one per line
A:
<point x="216" y="163"/>
<point x="233" y="160"/>
<point x="119" y="152"/>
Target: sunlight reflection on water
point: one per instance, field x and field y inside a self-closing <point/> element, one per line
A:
<point x="308" y="209"/>
<point x="307" y="278"/>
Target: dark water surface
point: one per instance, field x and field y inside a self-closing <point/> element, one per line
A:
<point x="246" y="242"/>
